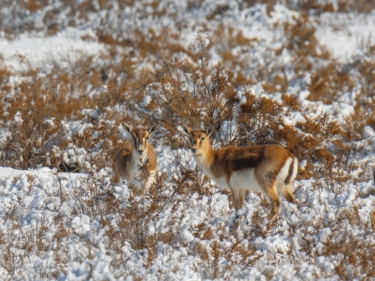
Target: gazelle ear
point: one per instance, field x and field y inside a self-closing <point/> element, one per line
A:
<point x="186" y="129"/>
<point x="210" y="130"/>
<point x="152" y="129"/>
<point x="127" y="127"/>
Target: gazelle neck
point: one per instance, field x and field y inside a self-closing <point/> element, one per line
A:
<point x="206" y="157"/>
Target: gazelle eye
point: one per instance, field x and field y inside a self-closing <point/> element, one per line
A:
<point x="202" y="138"/>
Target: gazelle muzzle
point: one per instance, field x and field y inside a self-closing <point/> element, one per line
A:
<point x="140" y="147"/>
<point x="194" y="149"/>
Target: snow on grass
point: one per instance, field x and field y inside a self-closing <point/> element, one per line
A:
<point x="345" y="35"/>
<point x="86" y="226"/>
<point x="39" y="51"/>
<point x="42" y="196"/>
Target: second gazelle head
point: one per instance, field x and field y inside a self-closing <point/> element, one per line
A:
<point x="140" y="136"/>
<point x="199" y="139"/>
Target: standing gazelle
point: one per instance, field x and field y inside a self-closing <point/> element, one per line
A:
<point x="270" y="169"/>
<point x="136" y="161"/>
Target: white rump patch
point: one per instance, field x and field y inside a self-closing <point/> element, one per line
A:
<point x="283" y="174"/>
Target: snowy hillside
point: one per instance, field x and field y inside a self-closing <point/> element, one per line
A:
<point x="295" y="73"/>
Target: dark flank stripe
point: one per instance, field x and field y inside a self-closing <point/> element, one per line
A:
<point x="246" y="162"/>
<point x="290" y="173"/>
<point x="245" y="159"/>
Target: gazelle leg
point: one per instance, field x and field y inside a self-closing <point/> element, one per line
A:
<point x="241" y="198"/>
<point x="147" y="185"/>
<point x="288" y="194"/>
<point x="275" y="201"/>
<point x="238" y="198"/>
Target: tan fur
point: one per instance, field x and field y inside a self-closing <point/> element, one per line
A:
<point x="270" y="169"/>
<point x="372" y="218"/>
<point x="136" y="161"/>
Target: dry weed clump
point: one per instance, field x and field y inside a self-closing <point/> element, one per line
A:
<point x="364" y="68"/>
<point x="357" y="257"/>
<point x="319" y="7"/>
<point x="37" y="115"/>
<point x="4" y="77"/>
<point x="189" y="90"/>
<point x="301" y="38"/>
<point x="333" y="239"/>
<point x="21" y="240"/>
<point x="32" y="5"/>
<point x="361" y="6"/>
<point x="232" y="45"/>
<point x="327" y="84"/>
<point x="219" y="256"/>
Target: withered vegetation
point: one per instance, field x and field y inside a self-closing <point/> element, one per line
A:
<point x="149" y="77"/>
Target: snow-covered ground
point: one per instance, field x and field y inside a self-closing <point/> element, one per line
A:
<point x="77" y="209"/>
<point x="38" y="50"/>
<point x="43" y="200"/>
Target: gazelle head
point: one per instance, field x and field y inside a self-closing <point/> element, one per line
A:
<point x="199" y="140"/>
<point x="140" y="136"/>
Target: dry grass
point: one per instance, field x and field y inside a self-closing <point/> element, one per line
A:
<point x="178" y="90"/>
<point x="39" y="115"/>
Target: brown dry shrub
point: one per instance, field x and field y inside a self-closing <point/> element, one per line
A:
<point x="314" y="145"/>
<point x="43" y="103"/>
<point x="33" y="5"/>
<point x="318" y="7"/>
<point x="25" y="148"/>
<point x="357" y="256"/>
<point x="355" y="123"/>
<point x="278" y="83"/>
<point x="366" y="69"/>
<point x="301" y="42"/>
<point x="258" y="120"/>
<point x="151" y="45"/>
<point x="301" y="38"/>
<point x="327" y="84"/>
<point x="362" y="6"/>
<point x="307" y="5"/>
<point x="190" y="91"/>
<point x="4" y="74"/>
<point x="231" y="44"/>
